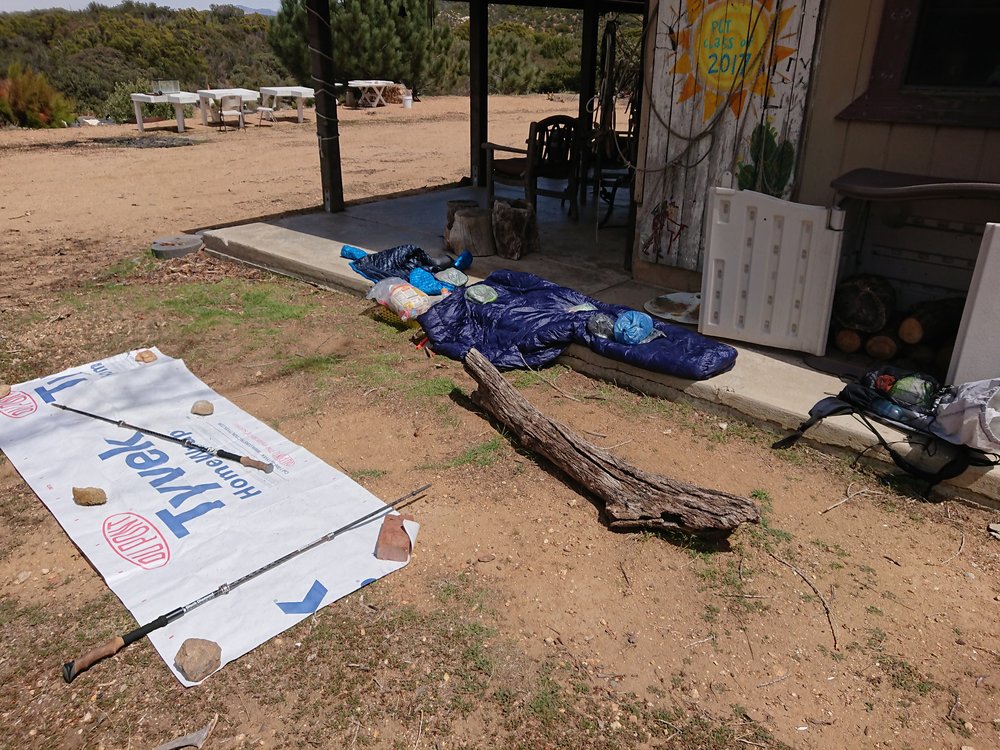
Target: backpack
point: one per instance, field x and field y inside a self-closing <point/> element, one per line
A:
<point x="909" y="402"/>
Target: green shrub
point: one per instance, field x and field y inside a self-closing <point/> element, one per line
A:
<point x="118" y="106"/>
<point x="27" y="99"/>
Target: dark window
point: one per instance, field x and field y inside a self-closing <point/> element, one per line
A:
<point x="937" y="62"/>
<point x="955" y="45"/>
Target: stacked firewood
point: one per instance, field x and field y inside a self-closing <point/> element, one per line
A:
<point x="866" y="320"/>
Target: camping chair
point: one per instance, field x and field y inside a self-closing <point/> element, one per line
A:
<point x="231" y="106"/>
<point x="552" y="155"/>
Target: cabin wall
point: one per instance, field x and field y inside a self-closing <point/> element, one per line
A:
<point x="832" y="147"/>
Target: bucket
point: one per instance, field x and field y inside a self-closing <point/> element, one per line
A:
<point x="407" y="101"/>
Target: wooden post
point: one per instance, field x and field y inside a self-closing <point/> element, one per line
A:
<point x="321" y="58"/>
<point x="478" y="87"/>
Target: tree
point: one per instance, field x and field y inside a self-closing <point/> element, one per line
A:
<point x="389" y="39"/>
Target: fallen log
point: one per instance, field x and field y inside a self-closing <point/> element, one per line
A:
<point x="633" y="498"/>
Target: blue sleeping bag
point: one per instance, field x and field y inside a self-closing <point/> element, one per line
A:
<point x="529" y="326"/>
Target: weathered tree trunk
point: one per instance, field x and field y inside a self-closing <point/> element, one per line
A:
<point x="634" y="498"/>
<point x="864" y="303"/>
<point x="515" y="228"/>
<point x="473" y="231"/>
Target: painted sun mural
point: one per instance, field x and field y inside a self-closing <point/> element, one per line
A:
<point x="726" y="50"/>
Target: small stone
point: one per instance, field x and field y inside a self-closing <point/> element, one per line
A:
<point x="487" y="558"/>
<point x="202" y="408"/>
<point x="89" y="496"/>
<point x="970" y="576"/>
<point x="4" y="390"/>
<point x="198" y="658"/>
<point x="145" y="356"/>
<point x="23" y="576"/>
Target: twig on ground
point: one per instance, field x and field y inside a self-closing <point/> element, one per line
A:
<point x="546" y="380"/>
<point x="749" y="644"/>
<point x="703" y="640"/>
<point x="826" y="605"/>
<point x="595" y="434"/>
<point x="775" y="681"/>
<point x="989" y="651"/>
<point x="618" y="445"/>
<point x="951" y="713"/>
<point x="960" y="548"/>
<point x="420" y="731"/>
<point x="628" y="580"/>
<point x="849" y="495"/>
<point x="748" y="742"/>
<point x="745" y="596"/>
<point x="893" y="560"/>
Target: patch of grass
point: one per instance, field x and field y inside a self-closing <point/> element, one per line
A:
<point x="316" y="363"/>
<point x="127" y="267"/>
<point x="482" y="455"/>
<point x="873" y="610"/>
<point x="432" y="388"/>
<point x="357" y="474"/>
<point x="765" y="534"/>
<point x="546" y="701"/>
<point x="231" y="301"/>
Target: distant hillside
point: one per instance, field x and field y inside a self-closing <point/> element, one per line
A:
<point x="261" y="11"/>
<point x="84" y="54"/>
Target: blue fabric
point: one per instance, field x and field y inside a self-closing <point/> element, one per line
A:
<point x="464" y="260"/>
<point x="529" y="325"/>
<point x="424" y="281"/>
<point x="632" y="327"/>
<point x="396" y="261"/>
<point x="352" y="253"/>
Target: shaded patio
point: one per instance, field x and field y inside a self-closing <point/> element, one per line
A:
<point x="774" y="389"/>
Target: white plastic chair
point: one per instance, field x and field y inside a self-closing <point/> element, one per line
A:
<point x="268" y="112"/>
<point x="231" y="106"/>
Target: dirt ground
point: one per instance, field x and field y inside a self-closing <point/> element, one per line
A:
<point x="521" y="621"/>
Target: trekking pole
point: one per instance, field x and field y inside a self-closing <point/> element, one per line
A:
<point x="73" y="668"/>
<point x="186" y="442"/>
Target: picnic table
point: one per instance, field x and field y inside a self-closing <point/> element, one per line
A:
<point x="207" y="96"/>
<point x="178" y="99"/>
<point x="298" y="93"/>
<point x="372" y="92"/>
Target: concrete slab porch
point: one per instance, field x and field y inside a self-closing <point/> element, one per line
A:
<point x="767" y="387"/>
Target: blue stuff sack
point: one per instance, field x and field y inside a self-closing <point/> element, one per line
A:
<point x="464" y="260"/>
<point x="352" y="253"/>
<point x="424" y="281"/>
<point x="632" y="327"/>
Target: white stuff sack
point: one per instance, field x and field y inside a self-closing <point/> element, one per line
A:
<point x="970" y="415"/>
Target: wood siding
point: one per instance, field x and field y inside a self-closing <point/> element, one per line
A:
<point x="832" y="146"/>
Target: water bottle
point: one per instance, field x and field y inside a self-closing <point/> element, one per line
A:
<point x="885" y="408"/>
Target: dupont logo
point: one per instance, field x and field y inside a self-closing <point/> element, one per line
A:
<point x="17" y="404"/>
<point x="135" y="539"/>
<point x="283" y="458"/>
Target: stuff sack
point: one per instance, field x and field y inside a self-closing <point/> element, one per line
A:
<point x="969" y="414"/>
<point x="909" y="402"/>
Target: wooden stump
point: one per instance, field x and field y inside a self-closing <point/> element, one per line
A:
<point x="453" y="207"/>
<point x="472" y="231"/>
<point x="864" y="303"/>
<point x="633" y="498"/>
<point x="515" y="228"/>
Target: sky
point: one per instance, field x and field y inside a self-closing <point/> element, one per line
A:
<point x="7" y="6"/>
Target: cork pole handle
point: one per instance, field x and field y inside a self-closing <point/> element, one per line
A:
<point x="72" y="668"/>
